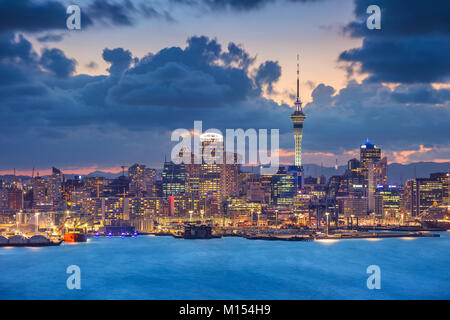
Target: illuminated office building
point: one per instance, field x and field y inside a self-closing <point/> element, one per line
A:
<point x="174" y="179"/>
<point x="420" y="194"/>
<point x="390" y="196"/>
<point x="377" y="176"/>
<point x="283" y="187"/>
<point x="369" y="153"/>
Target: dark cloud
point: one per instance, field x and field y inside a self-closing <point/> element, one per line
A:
<point x="92" y="65"/>
<point x="45" y="15"/>
<point x="115" y="12"/>
<point x="420" y="94"/>
<point x="322" y="94"/>
<point x="399" y="18"/>
<point x="123" y="13"/>
<point x="51" y="37"/>
<point x="397" y="119"/>
<point x="405" y="60"/>
<point x="55" y="61"/>
<point x="16" y="48"/>
<point x="201" y="75"/>
<point x="267" y="74"/>
<point x="237" y="55"/>
<point x="50" y="116"/>
<point x="46" y="106"/>
<point x="33" y="16"/>
<point x="236" y="5"/>
<point x="412" y="46"/>
<point x="119" y="58"/>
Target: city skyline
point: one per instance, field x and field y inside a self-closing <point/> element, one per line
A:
<point x="100" y="117"/>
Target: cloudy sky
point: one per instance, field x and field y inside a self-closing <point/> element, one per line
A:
<point x="111" y="93"/>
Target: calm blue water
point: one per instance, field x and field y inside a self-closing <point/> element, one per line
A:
<point x="229" y="268"/>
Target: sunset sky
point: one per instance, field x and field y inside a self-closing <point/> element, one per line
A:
<point x="111" y="93"/>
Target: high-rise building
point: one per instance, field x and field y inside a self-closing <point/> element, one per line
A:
<point x="15" y="198"/>
<point x="174" y="179"/>
<point x="136" y="177"/>
<point x="377" y="176"/>
<point x="420" y="194"/>
<point x="369" y="153"/>
<point x="210" y="169"/>
<point x="390" y="195"/>
<point x="40" y="195"/>
<point x="283" y="187"/>
<point x="444" y="178"/>
<point x="141" y="180"/>
<point x="54" y="190"/>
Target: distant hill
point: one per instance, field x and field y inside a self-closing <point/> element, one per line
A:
<point x="397" y="173"/>
<point x="109" y="175"/>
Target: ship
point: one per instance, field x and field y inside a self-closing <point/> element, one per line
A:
<point x="22" y="241"/>
<point x="436" y="224"/>
<point x="76" y="236"/>
<point x="192" y="231"/>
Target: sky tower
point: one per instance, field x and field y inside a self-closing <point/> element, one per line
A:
<point x="298" y="117"/>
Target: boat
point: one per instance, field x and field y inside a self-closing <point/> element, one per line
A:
<point x="22" y="241"/>
<point x="436" y="224"/>
<point x="75" y="237"/>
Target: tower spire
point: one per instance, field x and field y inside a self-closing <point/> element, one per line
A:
<point x="298" y="77"/>
<point x="298" y="103"/>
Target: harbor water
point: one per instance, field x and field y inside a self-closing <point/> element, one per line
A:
<point x="229" y="268"/>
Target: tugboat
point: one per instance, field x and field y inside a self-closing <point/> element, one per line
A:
<point x="77" y="235"/>
<point x="192" y="231"/>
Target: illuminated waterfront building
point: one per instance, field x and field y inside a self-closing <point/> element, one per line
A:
<point x="210" y="170"/>
<point x="141" y="180"/>
<point x="54" y="187"/>
<point x="302" y="203"/>
<point x="283" y="187"/>
<point x="240" y="206"/>
<point x="15" y="198"/>
<point x="377" y="176"/>
<point x="94" y="185"/>
<point x="39" y="191"/>
<point x="174" y="179"/>
<point x="354" y="207"/>
<point x="444" y="178"/>
<point x="420" y="194"/>
<point x="136" y="175"/>
<point x="369" y="153"/>
<point x="390" y="200"/>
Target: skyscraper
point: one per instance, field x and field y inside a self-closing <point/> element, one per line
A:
<point x="377" y="176"/>
<point x="298" y="117"/>
<point x="369" y="153"/>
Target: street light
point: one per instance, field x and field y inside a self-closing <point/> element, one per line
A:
<point x="276" y="220"/>
<point x="327" y="214"/>
<point x="37" y="222"/>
